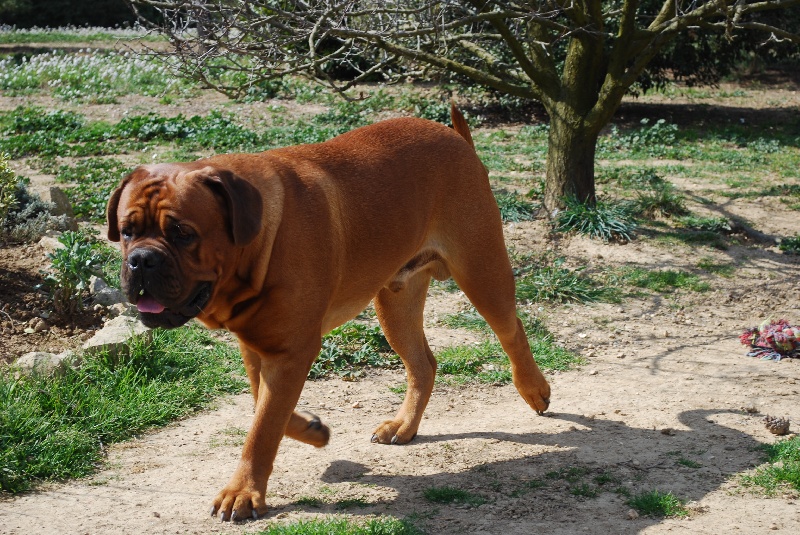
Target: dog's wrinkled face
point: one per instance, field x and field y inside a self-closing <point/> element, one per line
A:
<point x="177" y="225"/>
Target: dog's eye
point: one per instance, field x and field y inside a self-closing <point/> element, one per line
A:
<point x="182" y="235"/>
<point x="126" y="233"/>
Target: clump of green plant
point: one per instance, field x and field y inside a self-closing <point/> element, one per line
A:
<point x="790" y="245"/>
<point x="658" y="197"/>
<point x="447" y="494"/>
<point x="8" y="188"/>
<point x="513" y="208"/>
<point x="550" y="281"/>
<point x="782" y="468"/>
<point x="607" y="221"/>
<point x="57" y="427"/>
<point x="658" y="504"/>
<point x="663" y="281"/>
<point x="709" y="224"/>
<point x="349" y="348"/>
<point x="71" y="267"/>
<point x="344" y="526"/>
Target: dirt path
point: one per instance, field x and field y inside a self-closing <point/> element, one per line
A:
<point x="660" y="405"/>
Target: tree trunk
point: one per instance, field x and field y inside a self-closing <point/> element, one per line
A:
<point x="570" y="163"/>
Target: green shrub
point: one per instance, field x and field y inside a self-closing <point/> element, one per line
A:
<point x="28" y="218"/>
<point x="71" y="267"/>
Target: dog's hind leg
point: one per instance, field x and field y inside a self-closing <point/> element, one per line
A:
<point x="400" y="312"/>
<point x="483" y="272"/>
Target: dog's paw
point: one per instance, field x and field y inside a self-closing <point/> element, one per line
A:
<point x="393" y="432"/>
<point x="537" y="395"/>
<point x="239" y="503"/>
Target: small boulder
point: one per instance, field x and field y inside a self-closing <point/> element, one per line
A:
<point x="103" y="294"/>
<point x="42" y="363"/>
<point x="114" y="335"/>
<point x="61" y="205"/>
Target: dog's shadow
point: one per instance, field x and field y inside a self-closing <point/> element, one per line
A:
<point x="599" y="465"/>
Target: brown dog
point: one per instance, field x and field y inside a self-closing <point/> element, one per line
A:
<point x="282" y="246"/>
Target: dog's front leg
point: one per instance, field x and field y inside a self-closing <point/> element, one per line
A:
<point x="282" y="376"/>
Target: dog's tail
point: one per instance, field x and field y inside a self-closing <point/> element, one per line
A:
<point x="460" y="124"/>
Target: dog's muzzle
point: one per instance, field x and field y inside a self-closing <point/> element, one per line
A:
<point x="149" y="283"/>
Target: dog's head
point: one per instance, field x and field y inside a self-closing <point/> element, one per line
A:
<point x="179" y="226"/>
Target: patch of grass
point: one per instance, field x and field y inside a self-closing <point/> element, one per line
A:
<point x="790" y="245"/>
<point x="54" y="428"/>
<point x="350" y="348"/>
<point x="344" y="526"/>
<point x="658" y="504"/>
<point x="309" y="501"/>
<point x="722" y="269"/>
<point x="710" y="224"/>
<point x="660" y="198"/>
<point x="469" y="320"/>
<point x="605" y="478"/>
<point x="693" y="238"/>
<point x="446" y="495"/>
<point x="349" y="503"/>
<point x="513" y="208"/>
<point x="584" y="490"/>
<point x="663" y="281"/>
<point x="549" y="281"/>
<point x="688" y="463"/>
<point x="485" y="363"/>
<point x="573" y="474"/>
<point x="604" y="220"/>
<point x="782" y="468"/>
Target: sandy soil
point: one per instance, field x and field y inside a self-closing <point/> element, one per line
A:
<point x="666" y="401"/>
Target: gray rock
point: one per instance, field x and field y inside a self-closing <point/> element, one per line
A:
<point x="43" y="363"/>
<point x="115" y="334"/>
<point x="50" y="243"/>
<point x="104" y="294"/>
<point x="61" y="205"/>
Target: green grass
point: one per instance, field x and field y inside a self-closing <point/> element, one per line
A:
<point x="658" y="504"/>
<point x="664" y="281"/>
<point x="782" y="468"/>
<point x="723" y="269"/>
<point x="469" y="320"/>
<point x="344" y="526"/>
<point x="487" y="363"/>
<point x="547" y="280"/>
<point x="56" y="428"/>
<point x="448" y="495"/>
<point x="513" y="208"/>
<point x="604" y="220"/>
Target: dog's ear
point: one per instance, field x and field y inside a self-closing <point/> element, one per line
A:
<point x="243" y="201"/>
<point x="111" y="209"/>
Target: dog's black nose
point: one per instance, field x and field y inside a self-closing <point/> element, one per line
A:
<point x="143" y="259"/>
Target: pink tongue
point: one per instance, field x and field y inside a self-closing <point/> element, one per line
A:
<point x="149" y="305"/>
